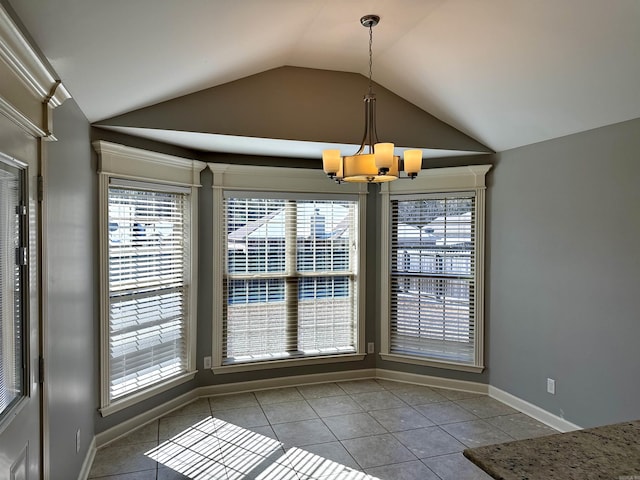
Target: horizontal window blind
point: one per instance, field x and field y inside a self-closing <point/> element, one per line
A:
<point x="148" y="290"/>
<point x="433" y="251"/>
<point x="290" y="278"/>
<point x="11" y="288"/>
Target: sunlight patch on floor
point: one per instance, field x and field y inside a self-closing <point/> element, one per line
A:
<point x="213" y="448"/>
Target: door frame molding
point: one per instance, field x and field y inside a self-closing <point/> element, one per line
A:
<point x="31" y="92"/>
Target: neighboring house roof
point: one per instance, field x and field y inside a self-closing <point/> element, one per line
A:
<point x="332" y="222"/>
<point x="441" y="231"/>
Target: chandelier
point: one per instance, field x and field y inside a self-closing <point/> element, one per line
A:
<point x="374" y="162"/>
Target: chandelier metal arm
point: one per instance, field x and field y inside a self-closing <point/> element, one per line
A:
<point x="370" y="136"/>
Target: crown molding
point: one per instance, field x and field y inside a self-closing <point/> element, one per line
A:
<point x="116" y="159"/>
<point x="280" y="179"/>
<point x="23" y="60"/>
<point x="441" y="180"/>
<point x="31" y="91"/>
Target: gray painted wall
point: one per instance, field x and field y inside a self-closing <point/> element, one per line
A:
<point x="563" y="271"/>
<point x="72" y="297"/>
<point x="294" y="103"/>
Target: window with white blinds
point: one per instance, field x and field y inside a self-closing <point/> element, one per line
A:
<point x="433" y="277"/>
<point x="12" y="285"/>
<point x="290" y="278"/>
<point x="148" y="270"/>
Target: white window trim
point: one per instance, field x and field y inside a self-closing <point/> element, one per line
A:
<point x="245" y="178"/>
<point x="119" y="161"/>
<point x="439" y="180"/>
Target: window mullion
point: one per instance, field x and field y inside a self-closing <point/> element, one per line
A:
<point x="291" y="281"/>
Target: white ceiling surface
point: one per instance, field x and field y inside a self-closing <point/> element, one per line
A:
<point x="507" y="72"/>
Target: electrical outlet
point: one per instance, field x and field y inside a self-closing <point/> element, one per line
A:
<point x="207" y="362"/>
<point x="78" y="441"/>
<point x="371" y="347"/>
<point x="551" y="386"/>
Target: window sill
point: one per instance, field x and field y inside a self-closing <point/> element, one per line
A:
<point x="295" y="362"/>
<point x="392" y="357"/>
<point x="130" y="400"/>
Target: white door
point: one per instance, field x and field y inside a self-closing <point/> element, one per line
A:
<point x="20" y="401"/>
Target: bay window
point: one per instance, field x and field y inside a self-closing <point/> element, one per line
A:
<point x="290" y="272"/>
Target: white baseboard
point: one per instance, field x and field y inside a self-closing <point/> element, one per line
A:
<point x="430" y="381"/>
<point x="269" y="383"/>
<point x="126" y="427"/>
<point x="532" y="410"/>
<point x="88" y="460"/>
<point x="114" y="433"/>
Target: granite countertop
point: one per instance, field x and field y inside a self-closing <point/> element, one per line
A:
<point x="609" y="452"/>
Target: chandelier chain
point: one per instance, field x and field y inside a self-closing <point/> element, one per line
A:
<point x="370" y="57"/>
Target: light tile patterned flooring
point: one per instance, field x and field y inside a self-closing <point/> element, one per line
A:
<point x="354" y="430"/>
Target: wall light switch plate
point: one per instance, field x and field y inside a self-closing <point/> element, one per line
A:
<point x="371" y="347"/>
<point x="207" y="362"/>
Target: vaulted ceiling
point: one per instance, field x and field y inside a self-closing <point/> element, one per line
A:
<point x="505" y="72"/>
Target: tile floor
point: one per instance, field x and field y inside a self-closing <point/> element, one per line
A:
<point x="355" y="430"/>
